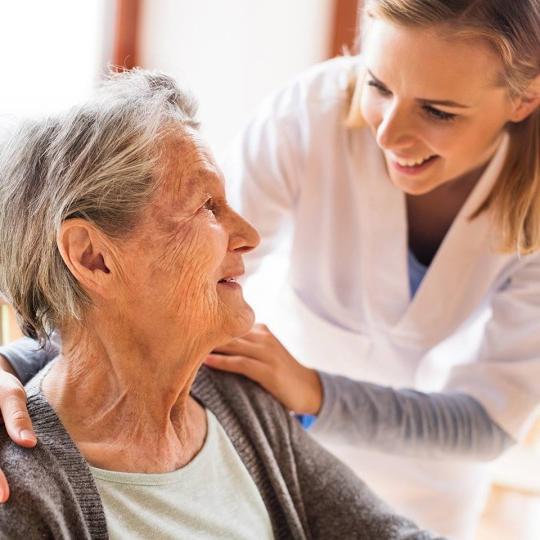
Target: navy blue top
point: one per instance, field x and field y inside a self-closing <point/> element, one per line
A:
<point x="417" y="271"/>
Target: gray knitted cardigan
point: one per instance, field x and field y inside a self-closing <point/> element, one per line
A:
<point x="307" y="492"/>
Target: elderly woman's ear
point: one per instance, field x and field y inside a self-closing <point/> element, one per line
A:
<point x="87" y="254"/>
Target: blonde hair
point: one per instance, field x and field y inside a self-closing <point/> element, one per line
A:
<point x="97" y="162"/>
<point x="512" y="29"/>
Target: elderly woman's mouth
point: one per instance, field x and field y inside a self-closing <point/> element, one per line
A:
<point x="230" y="281"/>
<point x="231" y="276"/>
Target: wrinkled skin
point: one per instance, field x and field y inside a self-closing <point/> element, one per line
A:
<point x="189" y="239"/>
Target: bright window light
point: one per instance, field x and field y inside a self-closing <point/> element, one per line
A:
<point x="52" y="54"/>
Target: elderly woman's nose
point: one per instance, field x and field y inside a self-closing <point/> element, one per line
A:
<point x="243" y="236"/>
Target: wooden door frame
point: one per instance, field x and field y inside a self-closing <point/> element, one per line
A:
<point x="125" y="53"/>
<point x="344" y="27"/>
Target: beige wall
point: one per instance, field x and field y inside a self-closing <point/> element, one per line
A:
<point x="52" y="54"/>
<point x="232" y="53"/>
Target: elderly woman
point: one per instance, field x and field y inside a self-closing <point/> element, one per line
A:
<point x="114" y="229"/>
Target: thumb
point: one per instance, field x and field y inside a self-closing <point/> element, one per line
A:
<point x="16" y="417"/>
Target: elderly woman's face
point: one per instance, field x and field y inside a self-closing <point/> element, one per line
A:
<point x="179" y="263"/>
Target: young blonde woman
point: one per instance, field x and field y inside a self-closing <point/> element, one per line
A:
<point x="414" y="273"/>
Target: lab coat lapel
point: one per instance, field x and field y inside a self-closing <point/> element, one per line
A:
<point x="383" y="247"/>
<point x="454" y="282"/>
<point x="441" y="300"/>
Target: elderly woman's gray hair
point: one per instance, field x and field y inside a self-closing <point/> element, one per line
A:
<point x="98" y="162"/>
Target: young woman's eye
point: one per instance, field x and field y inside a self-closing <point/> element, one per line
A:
<point x="379" y="87"/>
<point x="439" y="115"/>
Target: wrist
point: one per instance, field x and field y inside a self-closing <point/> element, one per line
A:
<point x="313" y="396"/>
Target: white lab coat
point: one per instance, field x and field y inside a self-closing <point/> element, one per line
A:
<point x="473" y="326"/>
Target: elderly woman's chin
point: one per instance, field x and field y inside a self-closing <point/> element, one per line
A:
<point x="239" y="315"/>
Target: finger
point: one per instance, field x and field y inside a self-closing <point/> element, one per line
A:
<point x="260" y="333"/>
<point x="261" y="327"/>
<point x="257" y="330"/>
<point x="239" y="347"/>
<point x="4" y="488"/>
<point x="250" y="368"/>
<point x="17" y="420"/>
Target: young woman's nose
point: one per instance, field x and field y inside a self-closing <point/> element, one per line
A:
<point x="395" y="130"/>
<point x="243" y="237"/>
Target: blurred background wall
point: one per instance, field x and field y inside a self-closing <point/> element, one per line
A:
<point x="233" y="53"/>
<point x="51" y="53"/>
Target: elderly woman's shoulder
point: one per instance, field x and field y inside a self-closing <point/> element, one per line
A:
<point x="225" y="392"/>
<point x="44" y="500"/>
<point x="33" y="490"/>
<point x="25" y="468"/>
<point x="233" y="385"/>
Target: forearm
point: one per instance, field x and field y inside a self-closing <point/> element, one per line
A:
<point x="24" y="357"/>
<point x="408" y="422"/>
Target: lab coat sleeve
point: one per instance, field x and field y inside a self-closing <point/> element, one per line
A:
<point x="27" y="357"/>
<point x="406" y="421"/>
<point x="262" y="169"/>
<point x="505" y="379"/>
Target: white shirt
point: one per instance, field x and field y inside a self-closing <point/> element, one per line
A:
<point x="473" y="325"/>
<point x="213" y="496"/>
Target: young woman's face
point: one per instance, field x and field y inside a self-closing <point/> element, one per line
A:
<point x="432" y="103"/>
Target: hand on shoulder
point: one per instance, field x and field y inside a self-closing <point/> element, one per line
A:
<point x="14" y="414"/>
<point x="261" y="357"/>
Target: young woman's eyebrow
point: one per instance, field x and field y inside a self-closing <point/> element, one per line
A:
<point x="441" y="102"/>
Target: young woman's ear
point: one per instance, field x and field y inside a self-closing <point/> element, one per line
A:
<point x="85" y="253"/>
<point x="528" y="102"/>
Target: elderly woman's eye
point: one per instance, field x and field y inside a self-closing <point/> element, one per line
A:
<point x="209" y="205"/>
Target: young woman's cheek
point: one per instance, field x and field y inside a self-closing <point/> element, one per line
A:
<point x="443" y="140"/>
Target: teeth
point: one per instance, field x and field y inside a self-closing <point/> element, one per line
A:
<point x="411" y="162"/>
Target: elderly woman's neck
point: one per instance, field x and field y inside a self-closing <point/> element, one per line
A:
<point x="126" y="403"/>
